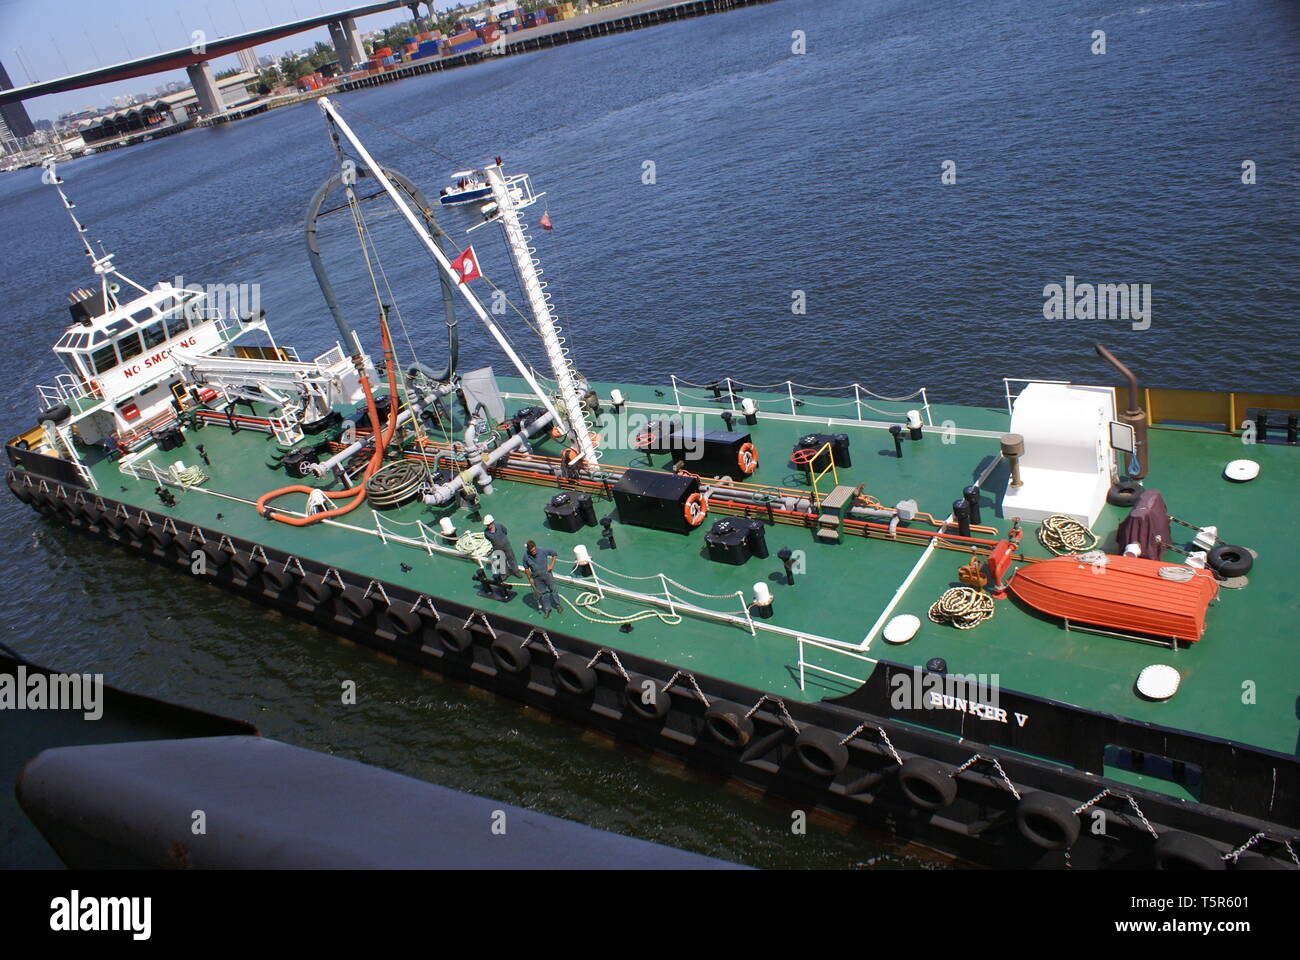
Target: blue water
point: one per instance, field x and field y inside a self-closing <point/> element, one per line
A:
<point x="775" y="172"/>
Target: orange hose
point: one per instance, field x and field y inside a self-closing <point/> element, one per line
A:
<point x="358" y="493"/>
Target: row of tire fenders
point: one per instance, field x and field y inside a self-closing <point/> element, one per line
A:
<point x="1046" y="820"/>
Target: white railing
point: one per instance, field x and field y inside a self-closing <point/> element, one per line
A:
<point x="805" y="665"/>
<point x="1008" y="381"/>
<point x="802" y="406"/>
<point x="664" y="597"/>
<point x="65" y="389"/>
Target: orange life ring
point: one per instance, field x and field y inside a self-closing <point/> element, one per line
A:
<point x="570" y="456"/>
<point x="747" y="458"/>
<point x="556" y="433"/>
<point x="695" y="509"/>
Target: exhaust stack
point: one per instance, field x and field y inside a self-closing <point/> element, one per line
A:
<point x="1134" y="416"/>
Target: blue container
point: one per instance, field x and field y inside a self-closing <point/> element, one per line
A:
<point x="467" y="45"/>
<point x="428" y="46"/>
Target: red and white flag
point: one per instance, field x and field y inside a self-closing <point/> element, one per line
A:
<point x="545" y="222"/>
<point x="466" y="266"/>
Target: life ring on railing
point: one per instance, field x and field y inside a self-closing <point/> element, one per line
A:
<point x="695" y="510"/>
<point x="556" y="433"/>
<point x="96" y="390"/>
<point x="570" y="457"/>
<point x="747" y="458"/>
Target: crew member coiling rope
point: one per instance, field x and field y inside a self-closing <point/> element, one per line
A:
<point x="963" y="607"/>
<point x="1063" y="535"/>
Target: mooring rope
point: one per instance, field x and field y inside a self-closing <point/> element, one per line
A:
<point x="1064" y="535"/>
<point x="962" y="607"/>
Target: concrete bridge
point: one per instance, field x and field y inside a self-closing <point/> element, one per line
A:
<point x="196" y="58"/>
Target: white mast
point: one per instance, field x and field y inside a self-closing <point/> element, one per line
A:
<point x="566" y="377"/>
<point x="328" y="108"/>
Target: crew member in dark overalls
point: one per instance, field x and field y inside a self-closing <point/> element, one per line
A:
<point x="496" y="535"/>
<point x="538" y="564"/>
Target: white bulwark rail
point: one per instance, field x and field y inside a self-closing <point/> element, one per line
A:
<point x="805" y="401"/>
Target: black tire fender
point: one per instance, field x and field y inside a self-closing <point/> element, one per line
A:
<point x="314" y="591"/>
<point x="1183" y="851"/>
<point x="405" y="622"/>
<point x="354" y="603"/>
<point x="1125" y="493"/>
<point x="511" y="653"/>
<point x="454" y="637"/>
<point x="727" y="722"/>
<point x="573" y="675"/>
<point x="245" y="567"/>
<point x="926" y="783"/>
<point x="647" y="697"/>
<point x="1047" y="820"/>
<point x="1228" y="560"/>
<point x="820" y="751"/>
<point x="134" y="529"/>
<point x="277" y="582"/>
<point x="161" y="538"/>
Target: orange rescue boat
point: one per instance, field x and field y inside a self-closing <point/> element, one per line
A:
<point x="1126" y="593"/>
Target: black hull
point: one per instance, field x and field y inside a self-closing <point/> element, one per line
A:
<point x="959" y="796"/>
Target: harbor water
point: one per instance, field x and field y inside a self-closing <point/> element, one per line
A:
<point x="703" y="177"/>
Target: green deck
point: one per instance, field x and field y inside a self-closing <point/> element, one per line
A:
<point x="845" y="587"/>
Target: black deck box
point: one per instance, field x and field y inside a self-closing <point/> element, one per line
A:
<point x="648" y="498"/>
<point x="709" y="453"/>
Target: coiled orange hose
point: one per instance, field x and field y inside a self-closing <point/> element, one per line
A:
<point x="358" y="493"/>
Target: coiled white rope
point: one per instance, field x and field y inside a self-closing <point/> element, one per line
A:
<point x="1064" y="535"/>
<point x="963" y="607"/>
<point x="474" y="545"/>
<point x="589" y="599"/>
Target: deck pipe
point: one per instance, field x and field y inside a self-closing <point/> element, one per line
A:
<point x="1134" y="416"/>
<point x="414" y="409"/>
<point x="442" y="493"/>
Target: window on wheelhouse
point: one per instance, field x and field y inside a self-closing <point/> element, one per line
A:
<point x="129" y="345"/>
<point x="103" y="359"/>
<point x="176" y="324"/>
<point x="153" y="334"/>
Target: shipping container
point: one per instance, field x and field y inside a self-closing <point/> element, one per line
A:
<point x="467" y="45"/>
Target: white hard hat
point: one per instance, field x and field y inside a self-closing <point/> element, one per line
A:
<point x="487" y="519"/>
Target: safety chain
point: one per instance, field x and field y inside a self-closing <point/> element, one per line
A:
<point x="883" y="736"/>
<point x="476" y="615"/>
<point x="425" y="600"/>
<point x="695" y="686"/>
<point x="257" y="549"/>
<point x="1122" y="796"/>
<point x="546" y="639"/>
<point x="780" y="704"/>
<point x="1232" y="856"/>
<point x="376" y="585"/>
<point x="294" y="560"/>
<point x="613" y="656"/>
<point x="996" y="766"/>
